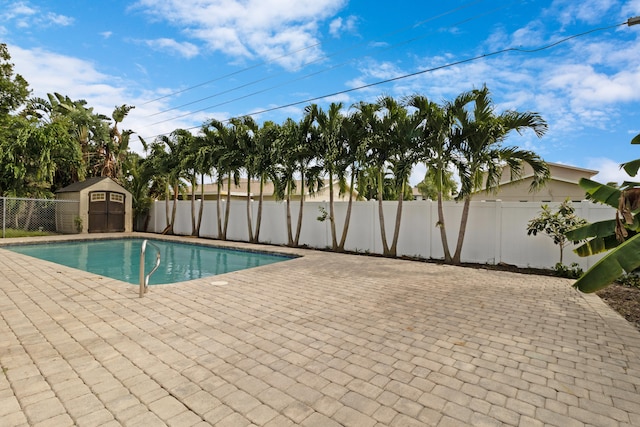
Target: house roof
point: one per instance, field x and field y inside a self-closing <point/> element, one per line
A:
<point x="241" y="189"/>
<point x="81" y="185"/>
<point x="582" y="171"/>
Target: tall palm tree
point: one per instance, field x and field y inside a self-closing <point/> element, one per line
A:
<point x="332" y="151"/>
<point x="477" y="133"/>
<point x="264" y="165"/>
<point x="166" y="153"/>
<point x="353" y="160"/>
<point x="437" y="148"/>
<point x="246" y="133"/>
<point x="297" y="151"/>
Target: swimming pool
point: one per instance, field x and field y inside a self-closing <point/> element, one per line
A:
<point x="120" y="258"/>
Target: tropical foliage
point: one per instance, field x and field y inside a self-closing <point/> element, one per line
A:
<point x="366" y="151"/>
<point x="556" y="224"/>
<point x="619" y="236"/>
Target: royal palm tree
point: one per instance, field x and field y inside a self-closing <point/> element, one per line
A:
<point x="332" y="152"/>
<point x="437" y="148"/>
<point x="264" y="165"/>
<point x="297" y="153"/>
<point x="477" y="134"/>
<point x="166" y="153"/>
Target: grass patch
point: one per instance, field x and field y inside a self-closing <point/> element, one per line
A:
<point x="12" y="232"/>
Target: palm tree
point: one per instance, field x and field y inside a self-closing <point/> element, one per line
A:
<point x="353" y="159"/>
<point x="116" y="146"/>
<point x="438" y="149"/>
<point x="403" y="136"/>
<point x="166" y="153"/>
<point x="264" y="165"/>
<point x="477" y="134"/>
<point x="297" y="151"/>
<point x="228" y="167"/>
<point x="332" y="151"/>
<point x="246" y="133"/>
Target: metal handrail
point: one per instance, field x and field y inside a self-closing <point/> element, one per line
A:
<point x="144" y="280"/>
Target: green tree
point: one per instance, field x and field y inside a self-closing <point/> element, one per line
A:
<point x="166" y="153"/>
<point x="14" y="89"/>
<point x="263" y="165"/>
<point x="332" y="152"/>
<point x="555" y="224"/>
<point x="429" y="187"/>
<point x="477" y="134"/>
<point x="296" y="154"/>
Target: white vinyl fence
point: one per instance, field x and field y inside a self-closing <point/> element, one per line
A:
<point x="496" y="231"/>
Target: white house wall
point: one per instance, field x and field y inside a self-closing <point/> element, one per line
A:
<point x="496" y="231"/>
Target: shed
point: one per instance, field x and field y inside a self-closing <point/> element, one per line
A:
<point x="104" y="206"/>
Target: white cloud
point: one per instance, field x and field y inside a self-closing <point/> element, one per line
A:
<point x="589" y="11"/>
<point x="26" y="16"/>
<point x="609" y="171"/>
<point x="106" y="34"/>
<point x="78" y="79"/>
<point x="269" y="29"/>
<point x="184" y="49"/>
<point x="339" y="26"/>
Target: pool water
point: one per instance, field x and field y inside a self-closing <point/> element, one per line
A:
<point x="120" y="259"/>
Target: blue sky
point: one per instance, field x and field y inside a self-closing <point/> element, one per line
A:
<point x="181" y="62"/>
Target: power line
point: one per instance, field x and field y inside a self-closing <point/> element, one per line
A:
<point x="428" y="70"/>
<point x="260" y="64"/>
<point x="395" y="46"/>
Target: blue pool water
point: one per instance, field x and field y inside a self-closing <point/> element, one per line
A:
<point x="120" y="259"/>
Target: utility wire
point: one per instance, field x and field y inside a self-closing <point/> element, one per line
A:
<point x="260" y="64"/>
<point x="388" y="48"/>
<point x="428" y="70"/>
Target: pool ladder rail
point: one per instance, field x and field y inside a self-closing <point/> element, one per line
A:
<point x="144" y="280"/>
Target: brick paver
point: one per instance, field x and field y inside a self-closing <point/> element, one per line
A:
<point x="322" y="340"/>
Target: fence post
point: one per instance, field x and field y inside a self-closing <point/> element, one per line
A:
<point x="4" y="215"/>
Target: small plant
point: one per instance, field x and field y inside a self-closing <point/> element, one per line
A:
<point x="631" y="280"/>
<point x="78" y="223"/>
<point x="323" y="214"/>
<point x="556" y="224"/>
<point x="574" y="271"/>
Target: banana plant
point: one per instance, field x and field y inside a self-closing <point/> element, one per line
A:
<point x="619" y="236"/>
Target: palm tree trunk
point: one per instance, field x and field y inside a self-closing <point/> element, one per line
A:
<point x="461" y="232"/>
<point x="332" y="215"/>
<point x="443" y="231"/>
<point x="194" y="179"/>
<point x="256" y="236"/>
<point x="227" y="209"/>
<point x="289" y="231"/>
<point x="299" y="225"/>
<point x="218" y="210"/>
<point x="249" y="220"/>
<point x="396" y="231"/>
<point x="383" y="234"/>
<point x="201" y="209"/>
<point x="347" y="219"/>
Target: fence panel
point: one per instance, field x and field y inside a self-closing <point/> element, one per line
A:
<point x="496" y="231"/>
<point x="38" y="215"/>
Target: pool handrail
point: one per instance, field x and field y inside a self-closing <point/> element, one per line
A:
<point x="144" y="280"/>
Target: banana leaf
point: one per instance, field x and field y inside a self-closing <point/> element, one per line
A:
<point x="600" y="192"/>
<point x="597" y="245"/>
<point x="631" y="168"/>
<point x="623" y="259"/>
<point x="600" y="229"/>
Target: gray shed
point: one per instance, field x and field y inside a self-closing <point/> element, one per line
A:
<point x="104" y="206"/>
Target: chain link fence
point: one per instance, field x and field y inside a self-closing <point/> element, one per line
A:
<point x="20" y="216"/>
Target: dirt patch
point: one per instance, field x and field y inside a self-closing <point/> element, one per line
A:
<point x="623" y="299"/>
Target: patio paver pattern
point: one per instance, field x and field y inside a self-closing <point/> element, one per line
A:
<point x="322" y="340"/>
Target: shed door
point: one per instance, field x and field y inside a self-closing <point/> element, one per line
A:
<point x="106" y="211"/>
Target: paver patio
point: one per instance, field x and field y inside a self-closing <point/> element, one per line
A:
<point x="322" y="340"/>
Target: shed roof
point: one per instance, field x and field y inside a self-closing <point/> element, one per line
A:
<point x="81" y="185"/>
